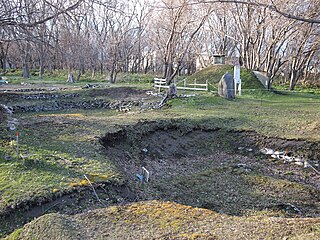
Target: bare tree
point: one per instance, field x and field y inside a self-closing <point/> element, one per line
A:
<point x="175" y="33"/>
<point x="302" y="48"/>
<point x="306" y="11"/>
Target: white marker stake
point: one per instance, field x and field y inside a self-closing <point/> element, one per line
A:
<point x="146" y="174"/>
<point x="17" y="140"/>
<point x="237" y="79"/>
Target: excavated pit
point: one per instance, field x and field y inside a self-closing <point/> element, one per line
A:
<point x="222" y="170"/>
<point x="198" y="165"/>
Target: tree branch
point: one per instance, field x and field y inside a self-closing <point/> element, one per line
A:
<point x="271" y="7"/>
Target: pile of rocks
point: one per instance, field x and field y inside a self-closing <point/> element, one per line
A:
<point x="90" y="104"/>
<point x="34" y="89"/>
<point x="288" y="158"/>
<point x="40" y="96"/>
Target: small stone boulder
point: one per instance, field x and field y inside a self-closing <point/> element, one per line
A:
<point x="226" y="86"/>
<point x="6" y="119"/>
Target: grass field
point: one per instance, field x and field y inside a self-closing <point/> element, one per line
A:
<point x="57" y="149"/>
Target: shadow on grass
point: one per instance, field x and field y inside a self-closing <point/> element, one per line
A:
<point x="233" y="191"/>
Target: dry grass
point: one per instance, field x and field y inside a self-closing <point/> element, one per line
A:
<point x="165" y="220"/>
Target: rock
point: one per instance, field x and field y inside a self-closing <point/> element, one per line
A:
<point x="288" y="159"/>
<point x="6" y="117"/>
<point x="91" y="86"/>
<point x="299" y="163"/>
<point x="267" y="151"/>
<point x="226" y="87"/>
<point x="306" y="164"/>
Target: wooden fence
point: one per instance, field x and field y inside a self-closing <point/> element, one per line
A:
<point x="161" y="83"/>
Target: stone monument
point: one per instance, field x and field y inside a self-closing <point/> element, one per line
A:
<point x="226" y="86"/>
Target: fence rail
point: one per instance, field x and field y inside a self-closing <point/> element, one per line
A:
<point x="161" y="83"/>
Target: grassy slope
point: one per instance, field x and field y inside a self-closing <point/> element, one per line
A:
<point x="58" y="151"/>
<point x="165" y="220"/>
<point x="214" y="73"/>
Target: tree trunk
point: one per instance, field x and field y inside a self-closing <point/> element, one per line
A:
<point x="93" y="72"/>
<point x="41" y="70"/>
<point x="169" y="74"/>
<point x="293" y="79"/>
<point x="79" y="75"/>
<point x="112" y="75"/>
<point x="101" y="68"/>
<point x="4" y="65"/>
<point x="3" y="57"/>
<point x="70" y="78"/>
<point x="146" y="66"/>
<point x="26" y="71"/>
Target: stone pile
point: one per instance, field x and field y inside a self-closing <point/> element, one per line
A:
<point x="91" y="104"/>
<point x="40" y="96"/>
<point x="91" y="86"/>
<point x="34" y="89"/>
<point x="287" y="158"/>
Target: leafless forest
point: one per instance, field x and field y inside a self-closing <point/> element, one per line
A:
<point x="168" y="37"/>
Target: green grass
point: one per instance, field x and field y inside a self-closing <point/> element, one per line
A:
<point x="236" y="192"/>
<point x="61" y="76"/>
<point x="56" y="157"/>
<point x="214" y="73"/>
<point x="293" y="115"/>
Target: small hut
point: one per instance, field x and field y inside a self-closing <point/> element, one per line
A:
<point x="219" y="59"/>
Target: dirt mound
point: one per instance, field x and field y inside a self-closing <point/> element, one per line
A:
<point x="118" y="93"/>
<point x="165" y="220"/>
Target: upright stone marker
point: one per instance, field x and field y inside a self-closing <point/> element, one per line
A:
<point x="237" y="78"/>
<point x="226" y="86"/>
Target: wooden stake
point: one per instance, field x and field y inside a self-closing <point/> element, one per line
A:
<point x="17" y="140"/>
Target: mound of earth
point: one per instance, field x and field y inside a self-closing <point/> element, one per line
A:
<point x="214" y="73"/>
<point x="118" y="93"/>
<point x="165" y="220"/>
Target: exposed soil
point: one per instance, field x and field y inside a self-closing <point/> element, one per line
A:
<point x="179" y="155"/>
<point x="119" y="93"/>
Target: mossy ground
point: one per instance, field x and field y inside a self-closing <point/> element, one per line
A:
<point x="165" y="220"/>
